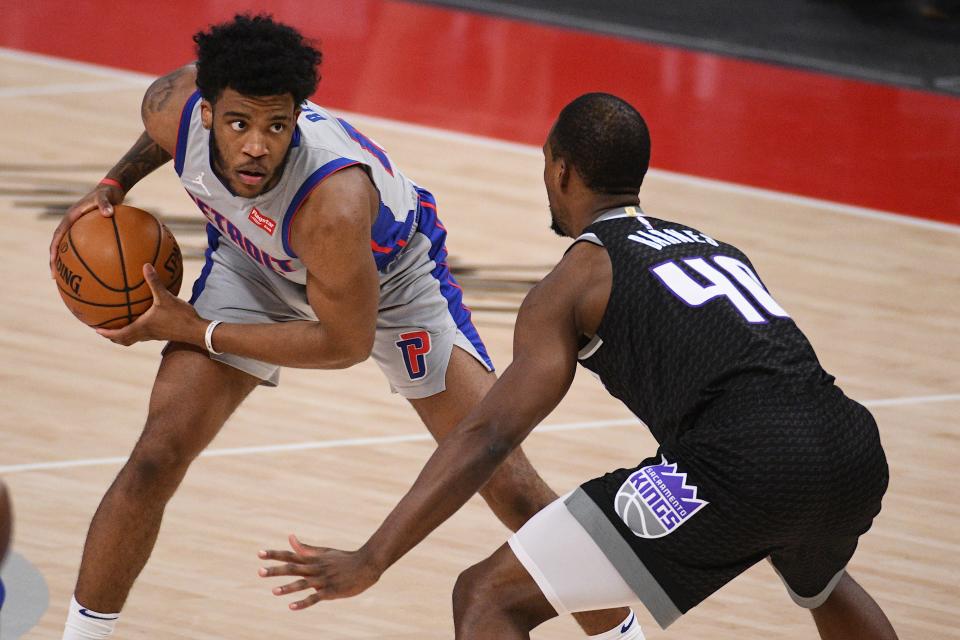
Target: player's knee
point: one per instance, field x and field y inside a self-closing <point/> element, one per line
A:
<point x="473" y="596"/>
<point x="157" y="465"/>
<point x="155" y="469"/>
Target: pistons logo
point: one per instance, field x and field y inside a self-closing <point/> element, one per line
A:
<point x="414" y="346"/>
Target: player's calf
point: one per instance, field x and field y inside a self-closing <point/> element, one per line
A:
<point x="851" y="614"/>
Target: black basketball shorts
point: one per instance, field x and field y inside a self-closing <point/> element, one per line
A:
<point x="798" y="488"/>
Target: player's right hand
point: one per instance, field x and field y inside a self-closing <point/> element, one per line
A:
<point x="102" y="197"/>
<point x="331" y="573"/>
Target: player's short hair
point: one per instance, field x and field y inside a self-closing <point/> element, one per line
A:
<point x="607" y="141"/>
<point x="256" y="56"/>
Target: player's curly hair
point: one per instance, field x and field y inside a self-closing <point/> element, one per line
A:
<point x="256" y="56"/>
<point x="607" y="141"/>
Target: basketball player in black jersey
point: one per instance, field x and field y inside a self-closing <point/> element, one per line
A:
<point x="761" y="455"/>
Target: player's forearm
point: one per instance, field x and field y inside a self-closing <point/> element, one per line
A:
<point x="470" y="455"/>
<point x="459" y="467"/>
<point x="301" y="344"/>
<point x="144" y="157"/>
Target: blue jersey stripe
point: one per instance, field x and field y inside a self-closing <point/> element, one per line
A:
<point x="430" y="226"/>
<point x="184" y="131"/>
<point x="213" y="241"/>
<point x="367" y="144"/>
<point x="309" y="185"/>
<point x="389" y="235"/>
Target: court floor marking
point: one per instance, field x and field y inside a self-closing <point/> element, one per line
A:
<point x="134" y="77"/>
<point x="67" y="88"/>
<point x="143" y="79"/>
<point x="410" y="437"/>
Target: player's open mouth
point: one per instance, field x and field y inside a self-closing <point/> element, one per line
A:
<point x="251" y="177"/>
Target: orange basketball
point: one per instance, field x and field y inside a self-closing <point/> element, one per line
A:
<point x="99" y="265"/>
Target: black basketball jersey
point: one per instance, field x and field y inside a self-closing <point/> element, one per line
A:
<point x="690" y="329"/>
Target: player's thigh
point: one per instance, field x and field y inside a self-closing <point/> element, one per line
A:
<point x="421" y="319"/>
<point x="568" y="566"/>
<point x="467" y="382"/>
<point x="192" y="397"/>
<point x="676" y="529"/>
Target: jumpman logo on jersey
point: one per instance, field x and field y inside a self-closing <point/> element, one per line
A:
<point x="199" y="180"/>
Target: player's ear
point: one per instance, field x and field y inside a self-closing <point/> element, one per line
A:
<point x="206" y="114"/>
<point x="564" y="170"/>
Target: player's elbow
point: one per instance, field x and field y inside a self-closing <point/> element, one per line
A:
<point x="497" y="450"/>
<point x="350" y="350"/>
<point x="356" y="354"/>
<point x="495" y="444"/>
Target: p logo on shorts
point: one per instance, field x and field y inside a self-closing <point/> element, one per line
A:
<point x="414" y="345"/>
<point x="656" y="499"/>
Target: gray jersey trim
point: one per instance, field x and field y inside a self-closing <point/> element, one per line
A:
<point x="589" y="237"/>
<point x="628" y="565"/>
<point x="811" y="602"/>
<point x="591" y="348"/>
<point x="624" y="212"/>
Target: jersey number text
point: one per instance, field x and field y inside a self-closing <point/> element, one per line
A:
<point x="682" y="285"/>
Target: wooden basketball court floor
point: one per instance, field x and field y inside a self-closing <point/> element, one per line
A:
<point x="327" y="454"/>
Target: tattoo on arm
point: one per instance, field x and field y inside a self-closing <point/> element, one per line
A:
<point x="158" y="95"/>
<point x="142" y="158"/>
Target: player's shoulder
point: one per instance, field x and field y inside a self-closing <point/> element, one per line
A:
<point x="585" y="258"/>
<point x="585" y="269"/>
<point x="168" y="92"/>
<point x="323" y="137"/>
<point x="163" y="103"/>
<point x="342" y="203"/>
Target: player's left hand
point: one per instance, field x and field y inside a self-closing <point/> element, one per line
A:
<point x="169" y="318"/>
<point x="329" y="572"/>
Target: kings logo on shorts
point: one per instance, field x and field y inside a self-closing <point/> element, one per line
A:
<point x="656" y="499"/>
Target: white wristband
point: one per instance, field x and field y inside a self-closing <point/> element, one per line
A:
<point x="208" y="337"/>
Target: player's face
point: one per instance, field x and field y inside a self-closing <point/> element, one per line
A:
<point x="551" y="180"/>
<point x="251" y="136"/>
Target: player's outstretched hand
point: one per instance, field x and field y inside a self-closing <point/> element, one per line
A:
<point x="329" y="572"/>
<point x="103" y="197"/>
<point x="168" y="318"/>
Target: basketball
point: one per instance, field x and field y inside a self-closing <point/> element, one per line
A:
<point x="99" y="266"/>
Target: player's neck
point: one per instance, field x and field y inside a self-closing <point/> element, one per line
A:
<point x="598" y="204"/>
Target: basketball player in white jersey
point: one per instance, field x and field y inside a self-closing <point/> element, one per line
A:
<point x="321" y="254"/>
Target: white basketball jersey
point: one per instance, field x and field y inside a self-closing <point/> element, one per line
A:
<point x="322" y="145"/>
